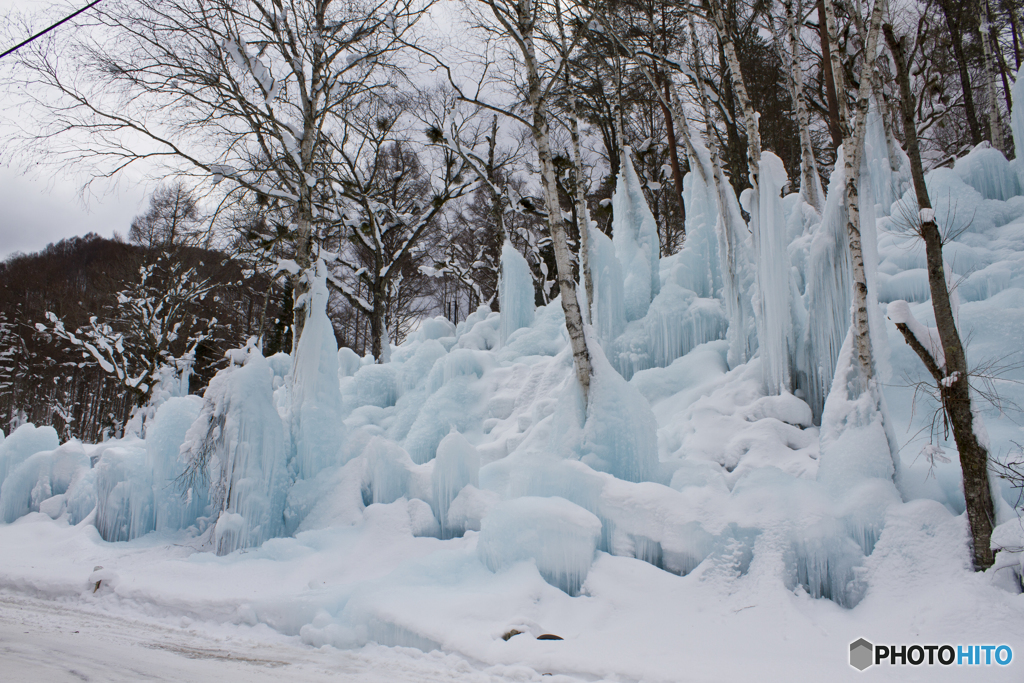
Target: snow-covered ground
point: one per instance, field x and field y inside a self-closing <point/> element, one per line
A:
<point x="402" y="521"/>
<point x="59" y="642"/>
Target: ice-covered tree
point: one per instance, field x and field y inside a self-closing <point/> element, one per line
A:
<point x="386" y="204"/>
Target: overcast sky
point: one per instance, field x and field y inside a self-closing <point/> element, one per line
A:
<point x="36" y="208"/>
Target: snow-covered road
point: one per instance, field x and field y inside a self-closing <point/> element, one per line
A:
<point x="42" y="640"/>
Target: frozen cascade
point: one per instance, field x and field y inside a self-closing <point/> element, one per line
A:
<point x="734" y="259"/>
<point x="986" y="170"/>
<point x="677" y="322"/>
<point x="857" y="463"/>
<point x="317" y="429"/>
<point x="22" y="443"/>
<point x="699" y="257"/>
<point x="456" y="466"/>
<point x="635" y="235"/>
<point x="240" y="440"/>
<point x="42" y="477"/>
<point x="173" y="508"/>
<point x="829" y="287"/>
<point x="124" y="492"/>
<point x="886" y="186"/>
<point x="608" y="312"/>
<point x="515" y="292"/>
<point x="774" y="290"/>
<point x="559" y="536"/>
<point x="621" y="433"/>
<point x="453" y="400"/>
<point x="391" y="473"/>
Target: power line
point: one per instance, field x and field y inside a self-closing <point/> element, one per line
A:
<point x="47" y="30"/>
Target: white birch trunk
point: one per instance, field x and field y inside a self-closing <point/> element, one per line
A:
<point x="995" y="130"/>
<point x="853" y="146"/>
<point x="563" y="257"/>
<point x="810" y="182"/>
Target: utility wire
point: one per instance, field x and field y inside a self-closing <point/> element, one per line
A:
<point x="47" y="30"/>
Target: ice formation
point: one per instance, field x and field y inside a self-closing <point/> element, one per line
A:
<point x="699" y="261"/>
<point x="456" y="466"/>
<point x="774" y="291"/>
<point x="239" y="442"/>
<point x="1017" y="117"/>
<point x="829" y="283"/>
<point x="40" y="482"/>
<point x="608" y="310"/>
<point x="635" y="235"/>
<point x="316" y="397"/>
<point x="621" y="433"/>
<point x="734" y="256"/>
<point x="515" y="291"/>
<point x="557" y="535"/>
<point x="396" y="489"/>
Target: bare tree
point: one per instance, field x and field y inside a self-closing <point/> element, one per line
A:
<point x="171" y="219"/>
<point x="945" y="361"/>
<point x="519" y="25"/>
<point x="245" y="91"/>
<point x="385" y="205"/>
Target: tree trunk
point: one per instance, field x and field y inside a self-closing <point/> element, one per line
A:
<point x="995" y="131"/>
<point x="582" y="210"/>
<point x="740" y="91"/>
<point x="810" y="183"/>
<point x="673" y="154"/>
<point x="556" y="226"/>
<point x="1011" y="12"/>
<point x="952" y="376"/>
<point x="834" y="128"/>
<point x="853" y="143"/>
<point x="951" y="10"/>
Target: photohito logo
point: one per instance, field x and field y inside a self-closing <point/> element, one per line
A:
<point x="863" y="654"/>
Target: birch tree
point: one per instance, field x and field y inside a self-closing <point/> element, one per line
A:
<point x="520" y="23"/>
<point x="853" y="122"/>
<point x="245" y="92"/>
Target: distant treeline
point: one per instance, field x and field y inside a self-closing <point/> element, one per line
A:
<point x="48" y="380"/>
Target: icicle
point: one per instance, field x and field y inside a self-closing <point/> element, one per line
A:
<point x="774" y="290"/>
<point x="699" y="256"/>
<point x="828" y="295"/>
<point x="635" y="235"/>
<point x="317" y="428"/>
<point x="1017" y="115"/>
<point x="559" y="536"/>
<point x="456" y="466"/>
<point x="609" y="309"/>
<point x="515" y="292"/>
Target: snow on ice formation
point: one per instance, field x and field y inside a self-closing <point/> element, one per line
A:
<point x="774" y="290"/>
<point x="463" y="489"/>
<point x="635" y="234"/>
<point x="559" y="536"/>
<point x="515" y="291"/>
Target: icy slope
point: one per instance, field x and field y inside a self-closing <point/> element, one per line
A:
<point x="462" y="491"/>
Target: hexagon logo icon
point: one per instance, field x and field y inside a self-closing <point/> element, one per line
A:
<point x="861" y="654"/>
